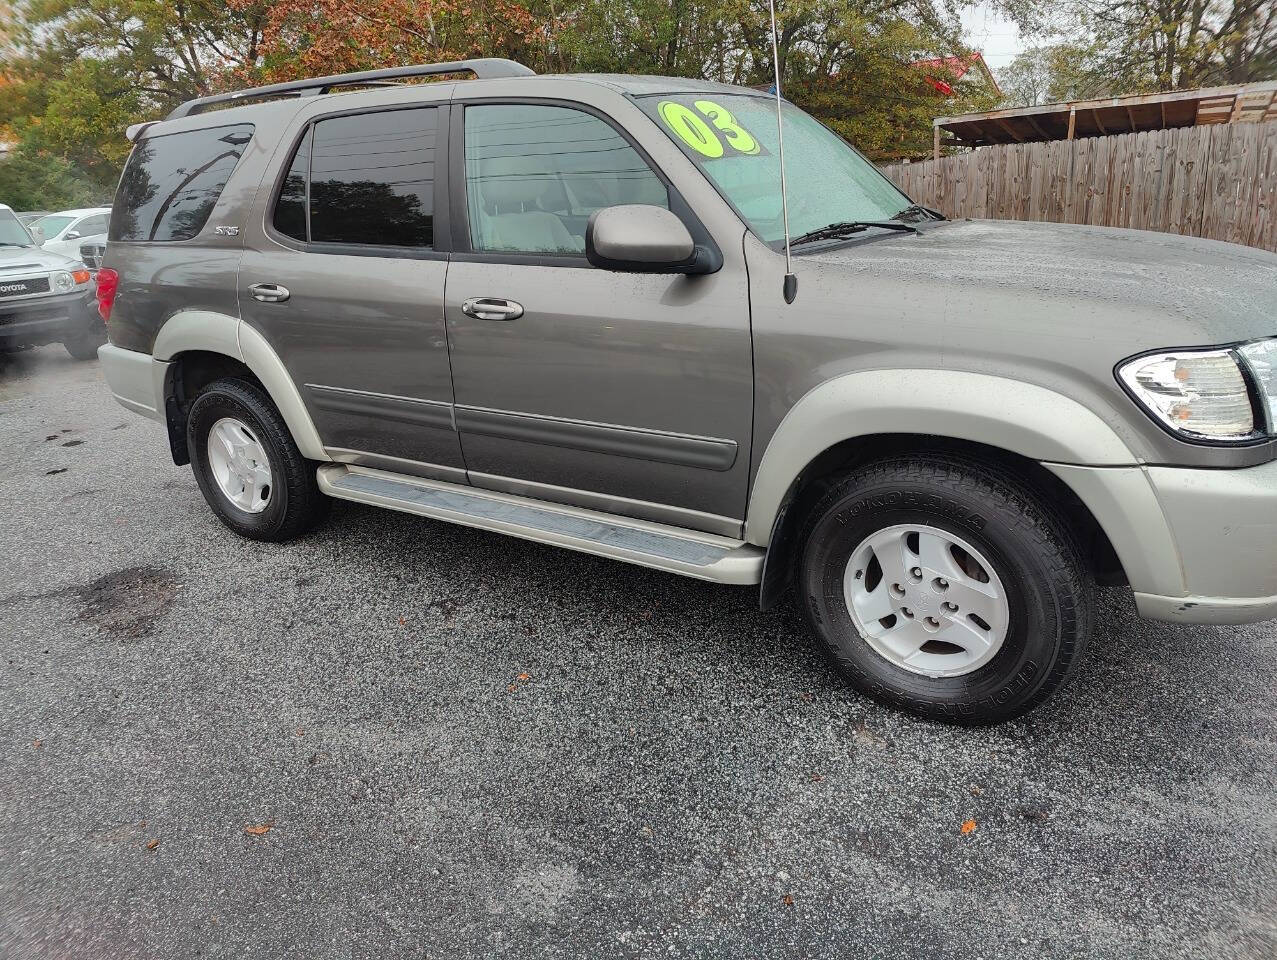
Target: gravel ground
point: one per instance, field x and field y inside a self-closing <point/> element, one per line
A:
<point x="401" y="738"/>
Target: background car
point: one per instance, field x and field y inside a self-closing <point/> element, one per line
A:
<point x="29" y="217"/>
<point x="45" y="297"/>
<point x="92" y="249"/>
<point x="62" y="232"/>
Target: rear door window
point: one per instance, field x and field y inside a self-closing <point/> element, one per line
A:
<point x="363" y="179"/>
<point x="290" y="207"/>
<point x="172" y="182"/>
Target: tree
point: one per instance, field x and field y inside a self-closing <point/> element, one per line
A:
<point x="33" y="181"/>
<point x="1112" y="47"/>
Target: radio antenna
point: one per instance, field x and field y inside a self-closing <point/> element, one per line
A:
<point x="790" y="287"/>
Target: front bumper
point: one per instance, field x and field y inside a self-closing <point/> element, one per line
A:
<point x="136" y="379"/>
<point x="1198" y="546"/>
<point x="46" y="319"/>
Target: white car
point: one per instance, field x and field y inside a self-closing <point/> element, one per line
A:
<point x="62" y="232"/>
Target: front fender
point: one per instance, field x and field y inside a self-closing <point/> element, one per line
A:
<point x="1019" y="417"/>
<point x="211" y="332"/>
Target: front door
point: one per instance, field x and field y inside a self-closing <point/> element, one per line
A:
<point x="347" y="286"/>
<point x="627" y="392"/>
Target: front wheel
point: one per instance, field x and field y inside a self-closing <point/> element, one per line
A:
<point x="247" y="465"/>
<point x="946" y="588"/>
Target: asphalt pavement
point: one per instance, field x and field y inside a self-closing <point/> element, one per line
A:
<point x="399" y="738"/>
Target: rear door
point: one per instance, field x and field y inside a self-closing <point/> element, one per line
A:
<point x="628" y="392"/>
<point x="346" y="282"/>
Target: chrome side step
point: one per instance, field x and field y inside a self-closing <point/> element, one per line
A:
<point x="704" y="556"/>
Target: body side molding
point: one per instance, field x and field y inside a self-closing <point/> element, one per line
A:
<point x="706" y="453"/>
<point x="1019" y="417"/>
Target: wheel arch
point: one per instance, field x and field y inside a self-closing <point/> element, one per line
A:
<point x="864" y="417"/>
<point x="201" y="346"/>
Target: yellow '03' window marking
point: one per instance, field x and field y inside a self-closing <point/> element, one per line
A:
<point x="690" y="127"/>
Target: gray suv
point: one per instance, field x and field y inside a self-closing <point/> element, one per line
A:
<point x="557" y="307"/>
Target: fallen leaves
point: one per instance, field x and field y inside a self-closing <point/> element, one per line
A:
<point x="520" y="678"/>
<point x="787" y="899"/>
<point x="259" y="829"/>
<point x="152" y="844"/>
<point x="37" y="744"/>
<point x="968" y="826"/>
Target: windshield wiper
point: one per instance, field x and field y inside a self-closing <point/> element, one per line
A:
<point x="917" y="209"/>
<point x="10" y="243"/>
<point x="846" y="228"/>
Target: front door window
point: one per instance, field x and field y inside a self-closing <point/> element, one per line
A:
<point x="534" y="174"/>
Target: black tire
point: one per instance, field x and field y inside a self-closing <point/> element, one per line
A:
<point x="295" y="503"/>
<point x="1029" y="545"/>
<point x="84" y="345"/>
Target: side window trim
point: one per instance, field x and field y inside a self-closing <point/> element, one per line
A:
<point x="442" y="230"/>
<point x="459" y="200"/>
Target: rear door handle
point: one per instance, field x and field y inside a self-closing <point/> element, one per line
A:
<point x="492" y="308"/>
<point x="269" y="292"/>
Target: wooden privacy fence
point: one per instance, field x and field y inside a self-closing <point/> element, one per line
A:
<point x="1217" y="181"/>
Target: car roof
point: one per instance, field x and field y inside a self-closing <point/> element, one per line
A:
<point x="279" y="109"/>
<point x="643" y="85"/>
<point x="79" y="212"/>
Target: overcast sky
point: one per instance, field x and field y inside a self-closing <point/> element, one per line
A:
<point x="997" y="39"/>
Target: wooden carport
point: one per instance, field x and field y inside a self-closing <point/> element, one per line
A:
<point x="1241" y="103"/>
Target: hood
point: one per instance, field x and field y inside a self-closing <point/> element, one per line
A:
<point x="32" y="260"/>
<point x="1205" y="290"/>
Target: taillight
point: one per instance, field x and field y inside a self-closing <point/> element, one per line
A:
<point x="108" y="284"/>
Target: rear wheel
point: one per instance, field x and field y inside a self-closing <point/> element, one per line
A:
<point x="944" y="587"/>
<point x="247" y="465"/>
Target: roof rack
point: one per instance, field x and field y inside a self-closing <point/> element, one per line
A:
<point x="484" y="68"/>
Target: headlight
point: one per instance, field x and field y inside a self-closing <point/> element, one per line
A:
<point x="1208" y="395"/>
<point x="62" y="281"/>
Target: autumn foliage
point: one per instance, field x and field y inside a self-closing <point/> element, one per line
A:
<point x="316" y="37"/>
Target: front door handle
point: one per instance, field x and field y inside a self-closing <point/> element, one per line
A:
<point x="269" y="292"/>
<point x="492" y="308"/>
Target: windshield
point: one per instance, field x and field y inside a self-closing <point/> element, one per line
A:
<point x="732" y="138"/>
<point x="51" y="226"/>
<point x="12" y="233"/>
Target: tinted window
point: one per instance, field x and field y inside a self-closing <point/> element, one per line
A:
<point x="172" y="182"/>
<point x="372" y="179"/>
<point x="534" y="174"/>
<point x="290" y="208"/>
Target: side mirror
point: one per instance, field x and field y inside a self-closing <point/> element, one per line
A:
<point x="72" y="235"/>
<point x="638" y="238"/>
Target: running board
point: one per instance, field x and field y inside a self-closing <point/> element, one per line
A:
<point x="704" y="556"/>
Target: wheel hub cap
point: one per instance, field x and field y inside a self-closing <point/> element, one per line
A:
<point x="926" y="600"/>
<point x="239" y="465"/>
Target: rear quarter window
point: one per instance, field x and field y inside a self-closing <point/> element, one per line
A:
<point x="172" y="182"/>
